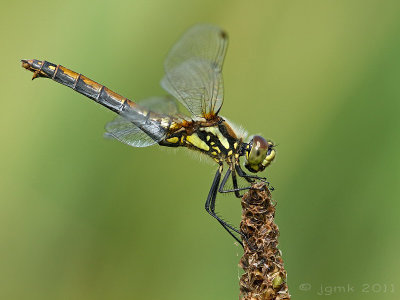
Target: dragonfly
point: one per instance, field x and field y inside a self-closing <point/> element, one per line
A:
<point x="193" y="77"/>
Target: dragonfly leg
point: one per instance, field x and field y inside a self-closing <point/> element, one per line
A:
<point x="210" y="206"/>
<point x="252" y="178"/>
<point x="235" y="189"/>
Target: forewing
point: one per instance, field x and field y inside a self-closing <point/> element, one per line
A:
<point x="193" y="70"/>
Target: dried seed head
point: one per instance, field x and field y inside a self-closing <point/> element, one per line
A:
<point x="265" y="275"/>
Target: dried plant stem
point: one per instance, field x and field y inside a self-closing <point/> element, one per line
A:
<point x="265" y="275"/>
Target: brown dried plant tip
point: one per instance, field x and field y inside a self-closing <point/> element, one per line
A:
<point x="265" y="275"/>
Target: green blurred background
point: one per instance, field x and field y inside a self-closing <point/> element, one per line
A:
<point x="87" y="218"/>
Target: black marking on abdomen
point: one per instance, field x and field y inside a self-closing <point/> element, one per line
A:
<point x="61" y="77"/>
<point x="86" y="89"/>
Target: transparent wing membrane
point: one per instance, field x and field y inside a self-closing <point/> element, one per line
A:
<point x="161" y="105"/>
<point x="126" y="132"/>
<point x="193" y="70"/>
<point x="142" y="126"/>
<point x="192" y="75"/>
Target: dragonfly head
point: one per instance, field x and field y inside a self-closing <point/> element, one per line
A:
<point x="259" y="154"/>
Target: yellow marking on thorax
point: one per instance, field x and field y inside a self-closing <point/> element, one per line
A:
<point x="214" y="153"/>
<point x="230" y="153"/>
<point x="173" y="140"/>
<point x="52" y="68"/>
<point x="197" y="142"/>
<point x="217" y="148"/>
<point x="215" y="131"/>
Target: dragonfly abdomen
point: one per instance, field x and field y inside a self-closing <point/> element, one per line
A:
<point x="79" y="83"/>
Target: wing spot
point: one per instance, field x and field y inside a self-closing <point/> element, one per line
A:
<point x="223" y="34"/>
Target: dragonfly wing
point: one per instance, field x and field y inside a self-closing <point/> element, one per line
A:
<point x="138" y="127"/>
<point x="193" y="70"/>
<point x="161" y="105"/>
<point x="128" y="133"/>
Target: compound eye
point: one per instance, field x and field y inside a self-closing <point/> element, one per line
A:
<point x="258" y="150"/>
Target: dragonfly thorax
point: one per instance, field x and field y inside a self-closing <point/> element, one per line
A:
<point x="217" y="140"/>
